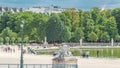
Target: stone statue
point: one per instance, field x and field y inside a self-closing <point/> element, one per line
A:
<point x="64" y="52"/>
<point x="45" y="42"/>
<point x="64" y="56"/>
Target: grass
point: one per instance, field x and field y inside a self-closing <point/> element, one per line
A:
<point x="46" y="51"/>
<point x="103" y="52"/>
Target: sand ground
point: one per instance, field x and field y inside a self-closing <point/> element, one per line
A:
<point x="14" y="58"/>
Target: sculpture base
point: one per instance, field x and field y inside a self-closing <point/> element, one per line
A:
<point x="64" y="63"/>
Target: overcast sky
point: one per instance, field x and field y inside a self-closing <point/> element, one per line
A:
<point x="81" y="4"/>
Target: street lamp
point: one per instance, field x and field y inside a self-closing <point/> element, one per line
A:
<point x="21" y="57"/>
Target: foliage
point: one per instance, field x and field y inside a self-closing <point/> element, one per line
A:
<point x="13" y="39"/>
<point x="78" y="34"/>
<point x="54" y="28"/>
<point x="116" y="14"/>
<point x="105" y="37"/>
<point x="26" y="39"/>
<point x="92" y="37"/>
<point x="117" y="38"/>
<point x="68" y="26"/>
<point x="7" y="40"/>
<point x="1" y="40"/>
<point x="19" y="40"/>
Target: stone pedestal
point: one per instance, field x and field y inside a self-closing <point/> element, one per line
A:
<point x="64" y="59"/>
<point x="66" y="62"/>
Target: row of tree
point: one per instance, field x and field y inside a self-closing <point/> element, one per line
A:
<point x="93" y="25"/>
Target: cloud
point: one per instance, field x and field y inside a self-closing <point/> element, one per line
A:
<point x="111" y="6"/>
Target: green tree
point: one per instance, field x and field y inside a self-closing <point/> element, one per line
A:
<point x="105" y="37"/>
<point x="117" y="38"/>
<point x="92" y="37"/>
<point x="34" y="35"/>
<point x="7" y="39"/>
<point x="95" y="11"/>
<point x="81" y="18"/>
<point x="98" y="31"/>
<point x="26" y="39"/>
<point x="13" y="40"/>
<point x="111" y="27"/>
<point x="19" y="40"/>
<point x="65" y="35"/>
<point x="79" y="34"/>
<point x="6" y="32"/>
<point x="5" y="18"/>
<point x="41" y="20"/>
<point x="66" y="32"/>
<point x="116" y="14"/>
<point x="1" y="40"/>
<point x="89" y="27"/>
<point x="54" y="29"/>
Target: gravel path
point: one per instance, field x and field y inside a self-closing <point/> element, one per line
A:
<point x="14" y="58"/>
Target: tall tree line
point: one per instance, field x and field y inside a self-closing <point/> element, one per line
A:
<point x="92" y="25"/>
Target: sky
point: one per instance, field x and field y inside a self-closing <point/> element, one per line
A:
<point x="80" y="4"/>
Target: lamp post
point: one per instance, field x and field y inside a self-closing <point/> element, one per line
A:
<point x="21" y="56"/>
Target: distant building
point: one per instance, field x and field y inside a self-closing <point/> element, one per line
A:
<point x="13" y="10"/>
<point x="46" y="10"/>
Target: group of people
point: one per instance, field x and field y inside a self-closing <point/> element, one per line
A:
<point x="8" y="49"/>
<point x="12" y="49"/>
<point x="85" y="54"/>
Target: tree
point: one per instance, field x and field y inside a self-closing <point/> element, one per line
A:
<point x="98" y="31"/>
<point x="19" y="40"/>
<point x="6" y="32"/>
<point x="41" y="20"/>
<point x="13" y="40"/>
<point x="79" y="34"/>
<point x="1" y="40"/>
<point x="89" y="27"/>
<point x="7" y="39"/>
<point x="92" y="37"/>
<point x="34" y="37"/>
<point x="54" y="29"/>
<point x="65" y="35"/>
<point x="111" y="27"/>
<point x="95" y="11"/>
<point x="26" y="39"/>
<point x="117" y="38"/>
<point x="81" y="18"/>
<point x="68" y="26"/>
<point x="5" y="18"/>
<point x="66" y="32"/>
<point x="116" y="14"/>
<point x="105" y="37"/>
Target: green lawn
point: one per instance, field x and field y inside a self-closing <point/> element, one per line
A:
<point x="103" y="52"/>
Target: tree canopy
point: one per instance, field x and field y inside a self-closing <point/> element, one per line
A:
<point x="68" y="26"/>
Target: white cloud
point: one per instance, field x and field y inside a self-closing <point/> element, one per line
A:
<point x="113" y="5"/>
